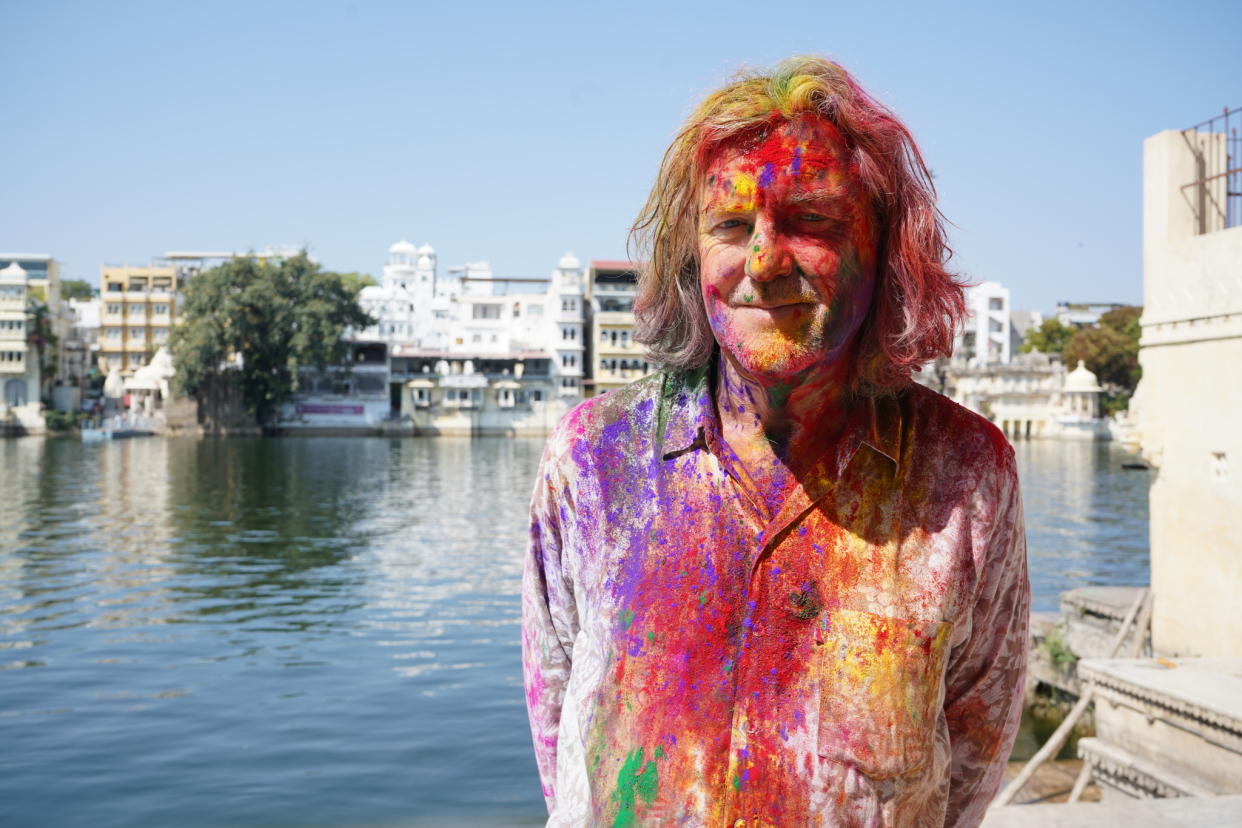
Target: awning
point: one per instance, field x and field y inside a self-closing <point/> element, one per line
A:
<point x="420" y="383"/>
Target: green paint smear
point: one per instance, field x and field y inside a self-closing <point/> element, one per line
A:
<point x="627" y="618"/>
<point x="737" y="782"/>
<point x="703" y="599"/>
<point x="633" y="785"/>
<point x="650" y="636"/>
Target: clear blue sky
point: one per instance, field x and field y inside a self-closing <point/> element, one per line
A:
<point x="513" y="132"/>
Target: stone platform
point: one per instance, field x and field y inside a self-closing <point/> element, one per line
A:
<point x="1214" y="812"/>
<point x="1165" y="727"/>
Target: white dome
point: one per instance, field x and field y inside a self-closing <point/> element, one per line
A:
<point x="1082" y="380"/>
<point x="403" y="246"/>
<point x="13" y="271"/>
<point x="424" y="261"/>
<point x="568" y="262"/>
<point x="426" y="250"/>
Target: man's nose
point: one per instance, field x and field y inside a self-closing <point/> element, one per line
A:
<point x="767" y="257"/>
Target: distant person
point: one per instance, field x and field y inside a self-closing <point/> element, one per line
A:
<point x="779" y="583"/>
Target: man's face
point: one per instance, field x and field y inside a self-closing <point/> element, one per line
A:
<point x="786" y="250"/>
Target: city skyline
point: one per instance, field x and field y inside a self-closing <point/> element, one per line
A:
<point x="347" y="126"/>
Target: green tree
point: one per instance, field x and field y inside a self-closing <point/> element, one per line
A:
<point x="76" y="289"/>
<point x="1110" y="349"/>
<point x="42" y="337"/>
<point x="356" y="281"/>
<point x="1048" y="338"/>
<point x="254" y="322"/>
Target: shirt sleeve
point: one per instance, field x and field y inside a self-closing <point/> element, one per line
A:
<point x="985" y="685"/>
<point x="549" y="620"/>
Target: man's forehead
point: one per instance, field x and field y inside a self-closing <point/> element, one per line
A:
<point x="801" y="143"/>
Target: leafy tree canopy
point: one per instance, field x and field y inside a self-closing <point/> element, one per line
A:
<point x="76" y="289"/>
<point x="1110" y="349"/>
<point x="1048" y="338"/>
<point x="270" y="317"/>
<point x="357" y="281"/>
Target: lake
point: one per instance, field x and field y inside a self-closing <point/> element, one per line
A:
<point x="324" y="631"/>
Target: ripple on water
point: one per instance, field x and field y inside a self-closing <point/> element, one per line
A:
<point x="324" y="631"/>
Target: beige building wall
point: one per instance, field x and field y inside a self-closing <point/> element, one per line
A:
<point x="138" y="308"/>
<point x="1191" y="401"/>
<point x="616" y="359"/>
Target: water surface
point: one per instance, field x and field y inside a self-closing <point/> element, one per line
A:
<point x="324" y="631"/>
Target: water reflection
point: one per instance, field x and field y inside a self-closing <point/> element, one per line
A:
<point x="1086" y="517"/>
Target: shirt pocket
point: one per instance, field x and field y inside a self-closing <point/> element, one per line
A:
<point x="881" y="687"/>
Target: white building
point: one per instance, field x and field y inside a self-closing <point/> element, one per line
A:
<point x="20" y="375"/>
<point x="985" y="338"/>
<point x="402" y="303"/>
<point x="1083" y="314"/>
<point x="472" y="353"/>
<point x="1032" y="396"/>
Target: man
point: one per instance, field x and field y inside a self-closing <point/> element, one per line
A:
<point x="779" y="584"/>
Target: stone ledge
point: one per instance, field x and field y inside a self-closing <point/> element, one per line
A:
<point x="1118" y="769"/>
<point x="1213" y="812"/>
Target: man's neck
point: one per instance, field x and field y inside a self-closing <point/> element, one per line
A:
<point x="781" y="424"/>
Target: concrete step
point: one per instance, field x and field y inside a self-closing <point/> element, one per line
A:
<point x="1190" y="812"/>
<point x="1178" y="722"/>
<point x="1116" y="770"/>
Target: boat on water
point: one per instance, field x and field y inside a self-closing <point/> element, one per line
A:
<point x="119" y="427"/>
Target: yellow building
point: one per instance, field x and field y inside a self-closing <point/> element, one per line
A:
<point x="138" y="310"/>
<point x="615" y="358"/>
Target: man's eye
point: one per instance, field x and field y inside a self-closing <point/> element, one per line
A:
<point x="729" y="224"/>
<point x="811" y="217"/>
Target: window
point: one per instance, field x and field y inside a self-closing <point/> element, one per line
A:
<point x="569" y="382"/>
<point x="625" y="339"/>
<point x="477" y="338"/>
<point x="996" y="303"/>
<point x="137" y="333"/>
<point x="159" y="335"/>
<point x="569" y="305"/>
<point x="114" y="308"/>
<point x="159" y="309"/>
<point x="568" y="361"/>
<point x="603" y="335"/>
<point x="115" y="287"/>
<point x="137" y="309"/>
<point x="536" y="395"/>
<point x="487" y="311"/>
<point x="114" y="333"/>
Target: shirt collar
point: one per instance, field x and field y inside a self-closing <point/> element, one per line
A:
<point x="688" y="415"/>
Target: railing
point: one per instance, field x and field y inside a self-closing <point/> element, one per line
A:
<point x="1215" y="195"/>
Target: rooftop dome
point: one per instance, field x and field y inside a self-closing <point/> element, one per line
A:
<point x="403" y="246"/>
<point x="568" y="262"/>
<point x="1082" y="380"/>
<point x="13" y="271"/>
<point x="426" y="250"/>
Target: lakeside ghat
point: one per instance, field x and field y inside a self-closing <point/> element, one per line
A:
<point x="325" y="631"/>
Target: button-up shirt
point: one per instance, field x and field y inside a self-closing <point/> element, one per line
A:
<point x="848" y="653"/>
